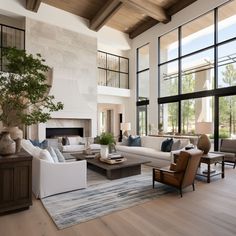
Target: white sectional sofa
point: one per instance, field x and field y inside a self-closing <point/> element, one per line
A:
<point x="151" y="150"/>
<point x="49" y="177"/>
<point x="76" y="144"/>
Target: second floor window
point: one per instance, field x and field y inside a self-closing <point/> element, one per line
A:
<point x="113" y="70"/>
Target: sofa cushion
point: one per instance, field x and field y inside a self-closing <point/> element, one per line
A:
<point x="134" y="141"/>
<point x="152" y="142"/>
<point x="72" y="148"/>
<point x="37" y="143"/>
<point x="53" y="154"/>
<point x="76" y="140"/>
<point x="167" y="145"/>
<point x="176" y="145"/>
<point x="60" y="156"/>
<point x="124" y="141"/>
<point x="45" y="155"/>
<point x="30" y="148"/>
<point x="144" y="152"/>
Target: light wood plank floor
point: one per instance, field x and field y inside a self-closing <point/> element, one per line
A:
<point x="210" y="210"/>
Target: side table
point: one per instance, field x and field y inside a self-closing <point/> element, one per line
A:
<point x="209" y="159"/>
<point x="15" y="182"/>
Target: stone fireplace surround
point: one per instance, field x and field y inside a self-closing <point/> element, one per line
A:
<point x="85" y="124"/>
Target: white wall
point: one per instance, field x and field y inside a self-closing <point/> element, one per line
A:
<point x="151" y="36"/>
<point x="72" y="56"/>
<point x="69" y="47"/>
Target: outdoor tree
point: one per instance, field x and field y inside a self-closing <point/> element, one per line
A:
<point x="228" y="103"/>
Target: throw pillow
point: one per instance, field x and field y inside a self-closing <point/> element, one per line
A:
<point x="176" y="145"/>
<point x="166" y="145"/>
<point x="134" y="141"/>
<point x="125" y="141"/>
<point x="53" y="154"/>
<point x="65" y="141"/>
<point x="45" y="155"/>
<point x="60" y="157"/>
<point x="37" y="143"/>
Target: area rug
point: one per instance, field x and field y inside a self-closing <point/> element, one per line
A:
<point x="75" y="207"/>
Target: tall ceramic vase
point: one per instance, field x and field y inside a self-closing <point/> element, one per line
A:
<point x="104" y="151"/>
<point x="16" y="134"/>
<point x="7" y="145"/>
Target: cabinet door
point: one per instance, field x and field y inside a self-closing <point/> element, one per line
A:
<point x="22" y="182"/>
<point x="6" y="186"/>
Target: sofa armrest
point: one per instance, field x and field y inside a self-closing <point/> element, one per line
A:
<point x="53" y="178"/>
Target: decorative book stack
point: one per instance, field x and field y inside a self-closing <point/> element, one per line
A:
<point x="114" y="158"/>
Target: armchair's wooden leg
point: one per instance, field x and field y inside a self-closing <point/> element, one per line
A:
<point x="193" y="186"/>
<point x="180" y="191"/>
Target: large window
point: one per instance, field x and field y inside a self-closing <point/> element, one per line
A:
<point x="10" y="37"/>
<point x="143" y="72"/>
<point x="113" y="70"/>
<point x="142" y="89"/>
<point x="197" y="74"/>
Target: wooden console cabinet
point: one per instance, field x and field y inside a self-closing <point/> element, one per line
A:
<point x="15" y="182"/>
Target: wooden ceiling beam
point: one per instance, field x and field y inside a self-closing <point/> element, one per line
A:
<point x="104" y="14"/>
<point x="153" y="10"/>
<point x="142" y="27"/>
<point x="178" y="6"/>
<point x="33" y="5"/>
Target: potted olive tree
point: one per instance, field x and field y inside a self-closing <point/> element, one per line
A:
<point x="24" y="90"/>
<point x="105" y="139"/>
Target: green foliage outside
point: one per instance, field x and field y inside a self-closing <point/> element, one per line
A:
<point x="227" y="105"/>
<point x="24" y="90"/>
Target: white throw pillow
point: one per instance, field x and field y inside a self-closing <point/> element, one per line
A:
<point x="60" y="156"/>
<point x="30" y="148"/>
<point x="45" y="155"/>
<point x="27" y="146"/>
<point x="53" y="154"/>
<point x="74" y="140"/>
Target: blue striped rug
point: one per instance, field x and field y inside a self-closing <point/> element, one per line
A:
<point x="75" y="207"/>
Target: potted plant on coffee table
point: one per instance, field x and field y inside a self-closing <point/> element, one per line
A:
<point x="24" y="90"/>
<point x="105" y="139"/>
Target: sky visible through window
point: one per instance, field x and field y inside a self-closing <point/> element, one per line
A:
<point x="197" y="40"/>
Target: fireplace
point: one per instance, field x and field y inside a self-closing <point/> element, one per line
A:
<point x="58" y="127"/>
<point x="60" y="132"/>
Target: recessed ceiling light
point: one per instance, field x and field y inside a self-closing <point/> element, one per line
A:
<point x="126" y="28"/>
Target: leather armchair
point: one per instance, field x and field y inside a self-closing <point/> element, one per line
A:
<point x="182" y="173"/>
<point x="228" y="147"/>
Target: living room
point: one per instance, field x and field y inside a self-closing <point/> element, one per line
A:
<point x="157" y="80"/>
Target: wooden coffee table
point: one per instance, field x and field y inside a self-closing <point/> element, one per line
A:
<point x="209" y="159"/>
<point x="116" y="171"/>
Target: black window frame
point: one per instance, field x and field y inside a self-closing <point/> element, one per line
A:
<point x="106" y="69"/>
<point x="215" y="92"/>
<point x="143" y="103"/>
<point x="1" y="41"/>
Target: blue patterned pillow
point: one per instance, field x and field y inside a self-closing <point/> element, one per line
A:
<point x="167" y="145"/>
<point x="43" y="144"/>
<point x="134" y="141"/>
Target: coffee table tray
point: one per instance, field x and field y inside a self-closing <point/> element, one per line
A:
<point x="114" y="161"/>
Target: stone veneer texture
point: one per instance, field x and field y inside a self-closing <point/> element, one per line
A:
<point x="73" y="57"/>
